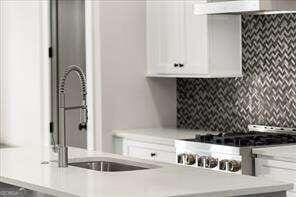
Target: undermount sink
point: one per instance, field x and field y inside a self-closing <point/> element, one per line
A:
<point x="114" y="165"/>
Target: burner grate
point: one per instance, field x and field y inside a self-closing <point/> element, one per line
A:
<point x="246" y="139"/>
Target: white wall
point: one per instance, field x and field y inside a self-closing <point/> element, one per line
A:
<point x="24" y="84"/>
<point x="129" y="100"/>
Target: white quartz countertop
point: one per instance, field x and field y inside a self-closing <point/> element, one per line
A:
<point x="286" y="152"/>
<point x="165" y="136"/>
<point x="22" y="167"/>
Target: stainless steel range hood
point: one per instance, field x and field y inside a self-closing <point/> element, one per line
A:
<point x="244" y="6"/>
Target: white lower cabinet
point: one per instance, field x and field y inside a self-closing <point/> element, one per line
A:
<point x="150" y="151"/>
<point x="277" y="170"/>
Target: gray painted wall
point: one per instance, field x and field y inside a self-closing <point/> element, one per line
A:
<point x="129" y="99"/>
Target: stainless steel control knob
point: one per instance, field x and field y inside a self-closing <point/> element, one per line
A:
<point x="234" y="166"/>
<point x="186" y="159"/>
<point x="211" y="162"/>
<point x="223" y="164"/>
<point x="201" y="161"/>
<point x="180" y="158"/>
<point x="189" y="159"/>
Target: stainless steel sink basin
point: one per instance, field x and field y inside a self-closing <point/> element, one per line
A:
<point x="111" y="166"/>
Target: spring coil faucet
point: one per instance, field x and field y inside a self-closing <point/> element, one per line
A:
<point x="62" y="147"/>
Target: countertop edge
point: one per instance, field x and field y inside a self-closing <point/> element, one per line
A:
<point x="155" y="135"/>
<point x="262" y="190"/>
<point x="146" y="138"/>
<point x="36" y="188"/>
<point x="245" y="192"/>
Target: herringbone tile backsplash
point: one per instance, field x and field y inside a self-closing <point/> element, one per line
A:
<point x="266" y="94"/>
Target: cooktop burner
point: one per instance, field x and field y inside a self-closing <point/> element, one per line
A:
<point x="246" y="139"/>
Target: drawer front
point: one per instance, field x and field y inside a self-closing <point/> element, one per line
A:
<point x="151" y="154"/>
<point x="277" y="170"/>
<point x="150" y="151"/>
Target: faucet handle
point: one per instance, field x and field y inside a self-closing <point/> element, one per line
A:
<point x="54" y="146"/>
<point x="82" y="125"/>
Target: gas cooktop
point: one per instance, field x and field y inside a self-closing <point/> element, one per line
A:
<point x="231" y="152"/>
<point x="246" y="139"/>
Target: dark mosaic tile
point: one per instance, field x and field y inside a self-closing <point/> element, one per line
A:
<point x="265" y="95"/>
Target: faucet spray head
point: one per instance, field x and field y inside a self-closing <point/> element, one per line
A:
<point x="83" y="116"/>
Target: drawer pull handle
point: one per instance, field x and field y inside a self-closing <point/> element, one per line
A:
<point x="153" y="154"/>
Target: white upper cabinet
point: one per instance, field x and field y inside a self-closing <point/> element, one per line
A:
<point x="164" y="19"/>
<point x="181" y="44"/>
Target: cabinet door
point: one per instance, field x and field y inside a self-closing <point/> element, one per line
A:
<point x="195" y="57"/>
<point x="165" y="33"/>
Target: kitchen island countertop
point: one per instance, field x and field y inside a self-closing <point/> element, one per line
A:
<point x="22" y="167"/>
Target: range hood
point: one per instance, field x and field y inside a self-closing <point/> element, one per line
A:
<point x="244" y="6"/>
